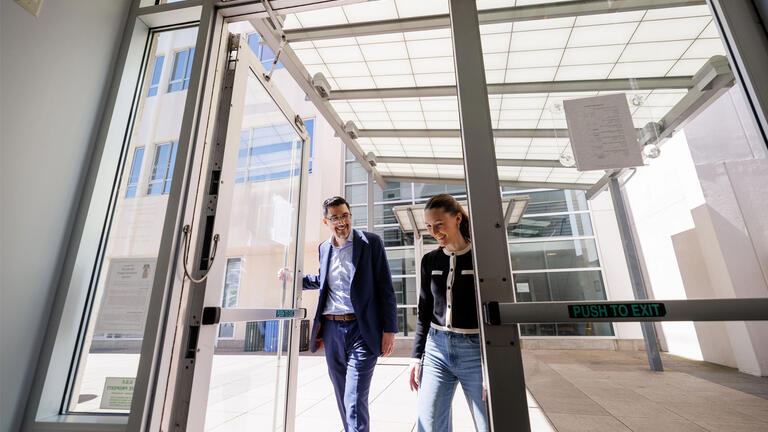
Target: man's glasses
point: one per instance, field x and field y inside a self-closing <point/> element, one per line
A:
<point x="336" y="219"/>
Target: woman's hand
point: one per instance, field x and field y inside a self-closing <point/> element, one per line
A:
<point x="415" y="375"/>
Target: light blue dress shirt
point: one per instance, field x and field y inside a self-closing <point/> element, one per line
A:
<point x="340" y="271"/>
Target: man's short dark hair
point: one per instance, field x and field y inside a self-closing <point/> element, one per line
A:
<point x="333" y="201"/>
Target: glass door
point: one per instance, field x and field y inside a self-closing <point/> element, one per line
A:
<point x="234" y="369"/>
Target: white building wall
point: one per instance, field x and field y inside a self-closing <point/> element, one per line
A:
<point x="617" y="283"/>
<point x="661" y="196"/>
<point x="55" y="73"/>
<point x="699" y="215"/>
<point x="731" y="161"/>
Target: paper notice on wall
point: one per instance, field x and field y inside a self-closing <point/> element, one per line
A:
<point x="523" y="287"/>
<point x="602" y="133"/>
<point x="124" y="304"/>
<point x="118" y="392"/>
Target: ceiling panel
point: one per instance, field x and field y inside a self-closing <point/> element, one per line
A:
<point x="655" y="43"/>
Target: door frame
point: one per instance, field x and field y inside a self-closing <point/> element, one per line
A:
<point x="236" y="64"/>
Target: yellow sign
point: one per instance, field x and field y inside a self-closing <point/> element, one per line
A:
<point x="118" y="392"/>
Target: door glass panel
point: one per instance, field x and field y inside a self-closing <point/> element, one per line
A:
<point x="108" y="361"/>
<point x="249" y="376"/>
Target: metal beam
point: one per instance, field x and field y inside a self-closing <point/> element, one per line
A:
<point x="600" y="185"/>
<point x="623" y="84"/>
<point x="543" y="163"/>
<point x="632" y="256"/>
<point x="456" y="133"/>
<point x="734" y="309"/>
<point x="506" y="400"/>
<point x="369" y="199"/>
<point x="745" y="35"/>
<point x="241" y="10"/>
<point x="490" y="16"/>
<point x="710" y="82"/>
<point x="299" y="73"/>
<point x="505" y="183"/>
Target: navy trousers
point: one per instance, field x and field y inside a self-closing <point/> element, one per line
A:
<point x="350" y="365"/>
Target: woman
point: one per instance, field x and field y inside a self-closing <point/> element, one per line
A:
<point x="446" y="348"/>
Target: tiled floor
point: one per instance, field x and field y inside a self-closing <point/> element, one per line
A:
<point x="615" y="391"/>
<point x="392" y="404"/>
<point x="578" y="390"/>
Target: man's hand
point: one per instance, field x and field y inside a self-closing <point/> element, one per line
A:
<point x="284" y="273"/>
<point x="387" y="343"/>
<point x="415" y="375"/>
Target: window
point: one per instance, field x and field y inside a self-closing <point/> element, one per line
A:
<point x="355" y="173"/>
<point x="182" y="69"/>
<point x="154" y="84"/>
<point x="162" y="169"/>
<point x="263" y="52"/>
<point x="133" y="179"/>
<point x="229" y="295"/>
<point x="266" y="153"/>
<point x="356" y="193"/>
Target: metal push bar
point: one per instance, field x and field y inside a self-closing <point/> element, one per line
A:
<point x="737" y="309"/>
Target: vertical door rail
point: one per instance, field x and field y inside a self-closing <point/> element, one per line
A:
<point x="503" y="364"/>
<point x="182" y="394"/>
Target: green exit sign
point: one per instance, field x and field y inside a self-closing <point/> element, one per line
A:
<point x="284" y="313"/>
<point x="617" y="310"/>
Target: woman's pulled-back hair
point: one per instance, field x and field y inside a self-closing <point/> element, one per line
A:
<point x="448" y="204"/>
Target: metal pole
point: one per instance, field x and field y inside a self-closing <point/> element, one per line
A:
<point x="370" y="201"/>
<point x="502" y="360"/>
<point x="639" y="287"/>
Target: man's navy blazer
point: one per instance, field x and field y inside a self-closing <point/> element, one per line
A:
<point x="371" y="291"/>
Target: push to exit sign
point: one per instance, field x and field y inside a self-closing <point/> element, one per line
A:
<point x="617" y="310"/>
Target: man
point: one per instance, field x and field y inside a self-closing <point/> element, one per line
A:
<point x="356" y="315"/>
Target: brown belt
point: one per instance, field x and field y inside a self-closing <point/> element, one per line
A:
<point x="345" y="317"/>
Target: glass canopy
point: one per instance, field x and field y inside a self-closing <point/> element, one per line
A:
<point x="390" y="67"/>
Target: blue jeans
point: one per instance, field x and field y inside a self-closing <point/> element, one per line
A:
<point x="450" y="358"/>
<point x="350" y="366"/>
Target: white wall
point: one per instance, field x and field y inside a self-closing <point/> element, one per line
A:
<point x="55" y="69"/>
<point x="661" y="196"/>
<point x="731" y="161"/>
<point x="618" y="286"/>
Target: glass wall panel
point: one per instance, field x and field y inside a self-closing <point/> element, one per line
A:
<point x="559" y="286"/>
<point x="394" y="236"/>
<point x="356" y="194"/>
<point x="556" y="201"/>
<point x="383" y="214"/>
<point x="562" y="286"/>
<point x="567" y="329"/>
<point x="567" y="225"/>
<point x="354" y="172"/>
<point x="401" y="261"/>
<point x="554" y="255"/>
<point x="394" y="192"/>
<point x="114" y="326"/>
<point x="359" y="216"/>
<point x="405" y="290"/>
<point x="427" y="190"/>
<point x="407" y="319"/>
